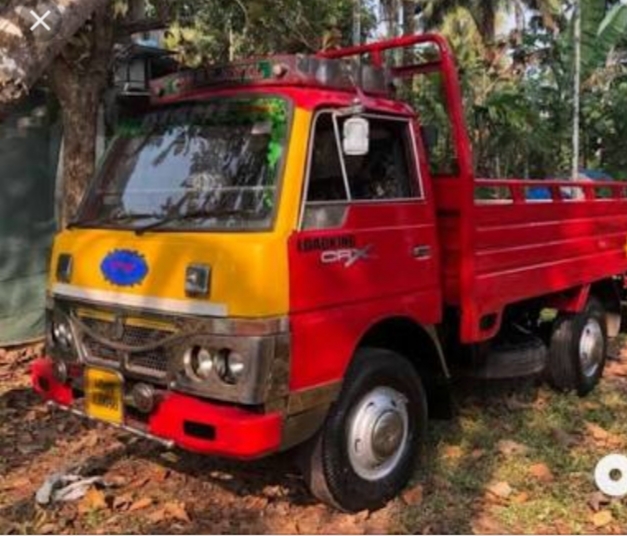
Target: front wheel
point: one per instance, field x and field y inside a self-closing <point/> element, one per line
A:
<point x="579" y="349"/>
<point x="366" y="451"/>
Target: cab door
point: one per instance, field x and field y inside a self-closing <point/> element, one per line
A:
<point x="366" y="247"/>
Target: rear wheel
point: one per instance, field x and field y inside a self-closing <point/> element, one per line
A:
<point x="366" y="451"/>
<point x="579" y="349"/>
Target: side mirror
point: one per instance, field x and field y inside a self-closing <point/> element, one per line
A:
<point x="356" y="136"/>
<point x="430" y="136"/>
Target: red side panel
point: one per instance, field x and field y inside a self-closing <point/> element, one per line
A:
<point x="381" y="263"/>
<point x="525" y="249"/>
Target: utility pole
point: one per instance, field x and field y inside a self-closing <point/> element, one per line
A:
<point x="357" y="22"/>
<point x="389" y="18"/>
<point x="577" y="88"/>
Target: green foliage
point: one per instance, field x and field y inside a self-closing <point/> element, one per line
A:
<point x="605" y="129"/>
<point x="222" y="30"/>
<point x="519" y="96"/>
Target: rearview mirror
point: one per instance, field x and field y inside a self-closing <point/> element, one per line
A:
<point x="356" y="136"/>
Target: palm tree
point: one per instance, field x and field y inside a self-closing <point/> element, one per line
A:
<point x="485" y="12"/>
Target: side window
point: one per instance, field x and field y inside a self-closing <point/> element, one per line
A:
<point x="326" y="182"/>
<point x="388" y="170"/>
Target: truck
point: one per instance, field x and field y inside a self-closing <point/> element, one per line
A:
<point x="268" y="260"/>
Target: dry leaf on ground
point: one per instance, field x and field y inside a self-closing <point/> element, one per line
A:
<point x="500" y="489"/>
<point x="452" y="452"/>
<point x="541" y="472"/>
<point x="602" y="518"/>
<point x="177" y="510"/>
<point x="93" y="500"/>
<point x="140" y="504"/>
<point x="520" y="498"/>
<point x="598" y="499"/>
<point x="413" y="496"/>
<point x="507" y="447"/>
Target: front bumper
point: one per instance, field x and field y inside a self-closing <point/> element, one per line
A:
<point x="185" y="421"/>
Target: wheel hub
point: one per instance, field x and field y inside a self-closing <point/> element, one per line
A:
<point x="377" y="433"/>
<point x="591" y="347"/>
<point x="387" y="434"/>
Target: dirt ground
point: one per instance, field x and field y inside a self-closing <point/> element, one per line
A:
<point x="515" y="458"/>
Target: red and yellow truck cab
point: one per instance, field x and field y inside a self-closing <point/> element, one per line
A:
<point x="266" y="258"/>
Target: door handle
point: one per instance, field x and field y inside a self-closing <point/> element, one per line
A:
<point x="421" y="252"/>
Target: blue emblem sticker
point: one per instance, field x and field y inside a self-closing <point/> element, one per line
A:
<point x="124" y="267"/>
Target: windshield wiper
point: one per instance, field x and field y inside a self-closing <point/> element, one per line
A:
<point x="197" y="214"/>
<point x="109" y="219"/>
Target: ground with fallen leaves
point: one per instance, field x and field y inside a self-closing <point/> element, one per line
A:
<point x="515" y="458"/>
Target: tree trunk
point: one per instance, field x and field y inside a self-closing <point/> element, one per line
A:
<point x="576" y="90"/>
<point x="390" y="17"/>
<point x="488" y="23"/>
<point x="519" y="11"/>
<point x="136" y="10"/>
<point x="78" y="84"/>
<point x="409" y="17"/>
<point x="409" y="28"/>
<point x="484" y="15"/>
<point x="23" y="57"/>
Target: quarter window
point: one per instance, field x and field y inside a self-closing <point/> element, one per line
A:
<point x="326" y="182"/>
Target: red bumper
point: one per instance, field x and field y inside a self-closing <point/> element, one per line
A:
<point x="189" y="422"/>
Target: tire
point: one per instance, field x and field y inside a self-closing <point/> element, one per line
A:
<point x="382" y="391"/>
<point x="578" y="350"/>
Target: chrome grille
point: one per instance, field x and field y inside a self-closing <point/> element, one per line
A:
<point x="155" y="360"/>
<point x="152" y="362"/>
<point x="98" y="350"/>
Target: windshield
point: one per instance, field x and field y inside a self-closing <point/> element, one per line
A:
<point x="210" y="165"/>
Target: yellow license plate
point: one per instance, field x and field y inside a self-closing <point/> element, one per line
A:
<point x="103" y="395"/>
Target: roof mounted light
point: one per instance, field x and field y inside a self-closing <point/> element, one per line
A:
<point x="279" y="70"/>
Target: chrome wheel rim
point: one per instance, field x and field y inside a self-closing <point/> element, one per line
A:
<point x="591" y="345"/>
<point x="377" y="433"/>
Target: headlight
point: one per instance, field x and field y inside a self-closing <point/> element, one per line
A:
<point x="230" y="366"/>
<point x="202" y="364"/>
<point x="62" y="334"/>
<point x="198" y="363"/>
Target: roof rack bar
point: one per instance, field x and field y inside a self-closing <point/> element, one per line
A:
<point x="377" y="48"/>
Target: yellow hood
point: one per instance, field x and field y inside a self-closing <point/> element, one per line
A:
<point x="248" y="271"/>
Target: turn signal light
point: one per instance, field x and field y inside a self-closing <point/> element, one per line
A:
<point x="64" y="268"/>
<point x="197" y="280"/>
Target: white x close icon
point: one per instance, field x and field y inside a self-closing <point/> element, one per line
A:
<point x="40" y="20"/>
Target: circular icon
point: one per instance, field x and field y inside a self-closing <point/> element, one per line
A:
<point x="612" y="463"/>
<point x="42" y="20"/>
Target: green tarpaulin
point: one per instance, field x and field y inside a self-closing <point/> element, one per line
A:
<point x="30" y="138"/>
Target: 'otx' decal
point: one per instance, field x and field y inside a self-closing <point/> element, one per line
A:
<point x="347" y="257"/>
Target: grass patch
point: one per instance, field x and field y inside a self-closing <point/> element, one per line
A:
<point x="463" y="460"/>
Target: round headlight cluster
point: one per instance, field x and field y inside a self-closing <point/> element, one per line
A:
<point x="201" y="363"/>
<point x="198" y="363"/>
<point x="62" y="334"/>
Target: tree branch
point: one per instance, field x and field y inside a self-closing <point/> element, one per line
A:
<point x="24" y="59"/>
